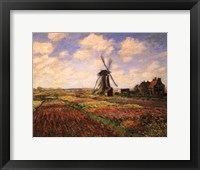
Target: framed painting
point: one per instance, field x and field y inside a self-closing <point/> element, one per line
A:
<point x="93" y="84"/>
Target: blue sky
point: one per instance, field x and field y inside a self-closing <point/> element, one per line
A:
<point x="72" y="60"/>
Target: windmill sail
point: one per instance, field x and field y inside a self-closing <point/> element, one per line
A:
<point x="113" y="80"/>
<point x="102" y="58"/>
<point x="96" y="83"/>
<point x="109" y="63"/>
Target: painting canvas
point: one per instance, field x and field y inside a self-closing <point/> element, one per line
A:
<point x="93" y="84"/>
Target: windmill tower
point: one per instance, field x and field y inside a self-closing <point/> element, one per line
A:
<point x="102" y="85"/>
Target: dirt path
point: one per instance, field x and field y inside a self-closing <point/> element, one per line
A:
<point x="56" y="118"/>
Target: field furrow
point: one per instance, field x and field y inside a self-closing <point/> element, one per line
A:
<point x="56" y="118"/>
<point x="74" y="114"/>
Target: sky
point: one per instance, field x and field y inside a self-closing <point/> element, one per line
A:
<point x="72" y="60"/>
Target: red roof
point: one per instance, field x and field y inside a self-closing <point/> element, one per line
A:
<point x="153" y="83"/>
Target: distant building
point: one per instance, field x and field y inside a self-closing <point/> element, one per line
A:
<point x="125" y="92"/>
<point x="136" y="89"/>
<point x="143" y="87"/>
<point x="156" y="87"/>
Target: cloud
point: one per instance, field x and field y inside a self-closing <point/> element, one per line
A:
<point x="81" y="71"/>
<point x="42" y="48"/>
<point x="154" y="55"/>
<point x="97" y="64"/>
<point x="137" y="75"/>
<point x="156" y="40"/>
<point x="121" y="78"/>
<point x="153" y="66"/>
<point x="63" y="54"/>
<point x="50" y="72"/>
<point x="153" y="69"/>
<point x="97" y="43"/>
<point x="114" y="66"/>
<point x="129" y="48"/>
<point x="163" y="54"/>
<point x="93" y="44"/>
<point x="82" y="54"/>
<point x="83" y="79"/>
<point x="56" y="36"/>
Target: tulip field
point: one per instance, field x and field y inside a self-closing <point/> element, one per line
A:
<point x="79" y="113"/>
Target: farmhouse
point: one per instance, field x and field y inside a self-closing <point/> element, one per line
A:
<point x="153" y="88"/>
<point x="156" y="87"/>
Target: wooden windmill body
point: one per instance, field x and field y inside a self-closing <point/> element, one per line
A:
<point x="103" y="80"/>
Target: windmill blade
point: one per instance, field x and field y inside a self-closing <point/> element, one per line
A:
<point x="109" y="63"/>
<point x="104" y="62"/>
<point x="113" y="80"/>
<point x="96" y="83"/>
<point x="100" y="83"/>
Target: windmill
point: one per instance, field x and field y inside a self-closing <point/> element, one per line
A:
<point x="102" y="84"/>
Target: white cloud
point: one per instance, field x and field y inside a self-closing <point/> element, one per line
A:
<point x="121" y="78"/>
<point x="82" y="54"/>
<point x="93" y="44"/>
<point x="115" y="66"/>
<point x="83" y="79"/>
<point x="63" y="54"/>
<point x="82" y="72"/>
<point x="97" y="43"/>
<point x="97" y="65"/>
<point x="127" y="59"/>
<point x="50" y="72"/>
<point x="137" y="75"/>
<point x="56" y="36"/>
<point x="153" y="69"/>
<point x="129" y="48"/>
<point x="153" y="66"/>
<point x="42" y="48"/>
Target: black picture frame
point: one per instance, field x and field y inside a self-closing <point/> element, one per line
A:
<point x="7" y="5"/>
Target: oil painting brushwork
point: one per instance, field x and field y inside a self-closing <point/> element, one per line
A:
<point x="99" y="84"/>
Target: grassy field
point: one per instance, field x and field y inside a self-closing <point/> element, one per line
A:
<point x="78" y="113"/>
